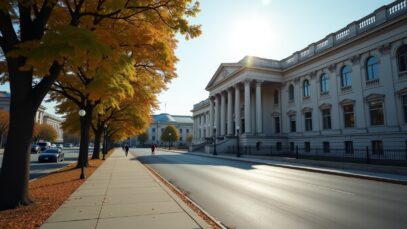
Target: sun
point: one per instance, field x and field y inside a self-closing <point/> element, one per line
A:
<point x="252" y="34"/>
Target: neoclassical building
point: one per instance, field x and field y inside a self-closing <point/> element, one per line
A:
<point x="183" y="124"/>
<point x="346" y="90"/>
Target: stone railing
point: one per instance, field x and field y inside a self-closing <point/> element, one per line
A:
<point x="371" y="21"/>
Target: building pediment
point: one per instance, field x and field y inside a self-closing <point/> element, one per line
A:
<point x="224" y="71"/>
<point x="306" y="109"/>
<point x="291" y="112"/>
<point x="374" y="96"/>
<point x="325" y="106"/>
<point x="346" y="102"/>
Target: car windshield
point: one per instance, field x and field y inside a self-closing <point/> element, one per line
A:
<point x="42" y="144"/>
<point x="54" y="151"/>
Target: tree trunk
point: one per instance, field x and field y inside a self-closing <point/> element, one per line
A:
<point x="15" y="169"/>
<point x="86" y="122"/>
<point x="96" y="147"/>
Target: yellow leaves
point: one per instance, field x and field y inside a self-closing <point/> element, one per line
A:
<point x="61" y="44"/>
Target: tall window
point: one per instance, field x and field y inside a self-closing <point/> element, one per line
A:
<point x="275" y="97"/>
<point x="377" y="147"/>
<point x="180" y="131"/>
<point x="292" y="146"/>
<point x="346" y="79"/>
<point x="402" y="58"/>
<point x="291" y="93"/>
<point x="404" y="99"/>
<point x="326" y="119"/>
<point x="372" y="68"/>
<point x="153" y="130"/>
<point x="376" y="113"/>
<point x="305" y="85"/>
<point x="349" y="116"/>
<point x="308" y="121"/>
<point x="277" y="124"/>
<point x="326" y="147"/>
<point x="187" y="131"/>
<point x="324" y="81"/>
<point x="349" y="147"/>
<point x="293" y="124"/>
<point x="307" y="146"/>
<point x="278" y="146"/>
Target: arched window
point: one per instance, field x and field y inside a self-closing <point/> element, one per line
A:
<point x="402" y="58"/>
<point x="275" y="97"/>
<point x="291" y="92"/>
<point x="372" y="68"/>
<point x="305" y="86"/>
<point x="346" y="78"/>
<point x="324" y="81"/>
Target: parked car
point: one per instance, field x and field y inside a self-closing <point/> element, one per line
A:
<point x="53" y="145"/>
<point x="35" y="149"/>
<point x="68" y="145"/>
<point x="52" y="155"/>
<point x="44" y="145"/>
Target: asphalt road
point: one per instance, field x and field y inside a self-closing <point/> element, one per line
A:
<point x="39" y="169"/>
<point x="248" y="195"/>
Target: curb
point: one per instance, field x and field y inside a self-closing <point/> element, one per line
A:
<point x="218" y="223"/>
<point x="344" y="174"/>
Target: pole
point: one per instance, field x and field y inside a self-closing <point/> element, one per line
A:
<point x="238" y="148"/>
<point x="214" y="141"/>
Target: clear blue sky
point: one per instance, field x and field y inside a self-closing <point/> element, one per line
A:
<point x="232" y="29"/>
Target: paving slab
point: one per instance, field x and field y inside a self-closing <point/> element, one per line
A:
<point x="122" y="193"/>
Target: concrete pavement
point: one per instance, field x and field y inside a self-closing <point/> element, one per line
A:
<point x="121" y="193"/>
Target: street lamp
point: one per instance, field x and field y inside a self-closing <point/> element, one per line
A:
<point x="104" y="141"/>
<point x="214" y="141"/>
<point x="238" y="148"/>
<point x="82" y="114"/>
<point x="169" y="141"/>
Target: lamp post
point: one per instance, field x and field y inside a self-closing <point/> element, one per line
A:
<point x="82" y="114"/>
<point x="169" y="141"/>
<point x="104" y="141"/>
<point x="214" y="141"/>
<point x="238" y="136"/>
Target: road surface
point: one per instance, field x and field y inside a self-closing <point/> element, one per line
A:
<point x="248" y="195"/>
<point x="39" y="169"/>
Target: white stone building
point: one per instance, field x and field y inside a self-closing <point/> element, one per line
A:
<point x="183" y="124"/>
<point x="41" y="116"/>
<point x="346" y="90"/>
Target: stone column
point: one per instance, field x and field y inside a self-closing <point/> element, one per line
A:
<point x="222" y="114"/>
<point x="247" y="105"/>
<point x="217" y="115"/>
<point x="211" y="117"/>
<point x="230" y="115"/>
<point x="237" y="108"/>
<point x="259" y="112"/>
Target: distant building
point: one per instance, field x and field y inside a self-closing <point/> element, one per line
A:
<point x="41" y="116"/>
<point x="347" y="90"/>
<point x="182" y="122"/>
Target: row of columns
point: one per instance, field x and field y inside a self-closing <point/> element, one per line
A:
<point x="201" y="126"/>
<point x="221" y="116"/>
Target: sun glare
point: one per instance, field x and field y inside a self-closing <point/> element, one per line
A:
<point x="251" y="35"/>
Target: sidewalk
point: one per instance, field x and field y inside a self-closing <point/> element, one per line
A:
<point x="390" y="174"/>
<point x="121" y="193"/>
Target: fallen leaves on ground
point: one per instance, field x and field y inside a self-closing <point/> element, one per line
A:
<point x="48" y="194"/>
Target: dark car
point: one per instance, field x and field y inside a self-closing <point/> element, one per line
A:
<point x="35" y="149"/>
<point x="44" y="145"/>
<point x="52" y="155"/>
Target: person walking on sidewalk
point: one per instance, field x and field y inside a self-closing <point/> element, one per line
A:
<point x="152" y="149"/>
<point x="126" y="149"/>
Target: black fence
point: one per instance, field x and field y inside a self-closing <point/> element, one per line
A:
<point x="360" y="155"/>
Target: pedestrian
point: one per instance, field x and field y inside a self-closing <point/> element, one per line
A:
<point x="126" y="148"/>
<point x="152" y="149"/>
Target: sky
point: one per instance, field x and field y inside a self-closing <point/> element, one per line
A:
<point x="232" y="29"/>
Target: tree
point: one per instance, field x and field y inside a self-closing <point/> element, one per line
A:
<point x="37" y="38"/>
<point x="189" y="138"/>
<point x="142" y="138"/>
<point x="47" y="133"/>
<point x="4" y="121"/>
<point x="170" y="134"/>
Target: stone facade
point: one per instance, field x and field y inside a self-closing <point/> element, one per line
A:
<point x="350" y="86"/>
<point x="181" y="122"/>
